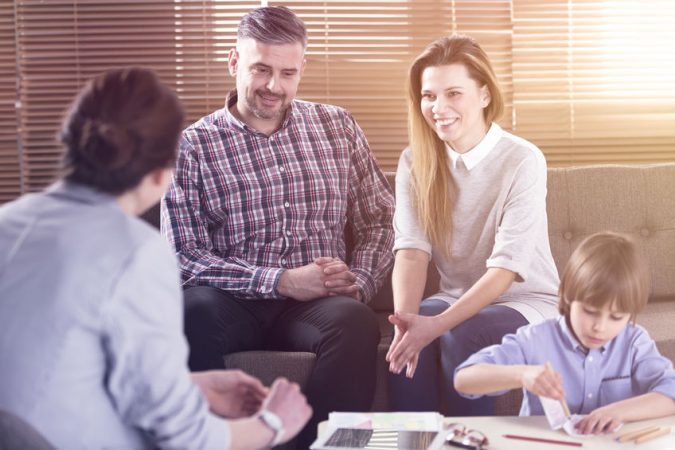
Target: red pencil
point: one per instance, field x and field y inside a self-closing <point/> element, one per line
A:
<point x="547" y="441"/>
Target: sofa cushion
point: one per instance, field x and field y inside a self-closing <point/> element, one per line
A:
<point x="658" y="318"/>
<point x="638" y="200"/>
<point x="268" y="365"/>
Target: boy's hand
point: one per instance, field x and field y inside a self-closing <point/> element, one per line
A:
<point x="602" y="420"/>
<point x="543" y="381"/>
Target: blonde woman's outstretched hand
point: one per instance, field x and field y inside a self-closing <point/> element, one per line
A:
<point x="412" y="333"/>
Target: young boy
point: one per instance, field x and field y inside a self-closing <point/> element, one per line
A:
<point x="607" y="366"/>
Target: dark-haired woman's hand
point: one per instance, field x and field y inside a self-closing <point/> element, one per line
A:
<point x="290" y="405"/>
<point x="231" y="393"/>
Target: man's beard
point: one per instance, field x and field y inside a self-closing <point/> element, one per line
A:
<point x="264" y="113"/>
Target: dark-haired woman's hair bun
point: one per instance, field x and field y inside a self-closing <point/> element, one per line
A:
<point x="124" y="124"/>
<point x="105" y="145"/>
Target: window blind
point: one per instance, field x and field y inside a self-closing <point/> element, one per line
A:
<point x="10" y="173"/>
<point x="62" y="44"/>
<point x="357" y="57"/>
<point x="588" y="81"/>
<point x="594" y="81"/>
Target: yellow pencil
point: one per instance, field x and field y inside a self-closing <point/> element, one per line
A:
<point x="563" y="403"/>
<point x="566" y="409"/>
<point x="629" y="436"/>
<point x="653" y="435"/>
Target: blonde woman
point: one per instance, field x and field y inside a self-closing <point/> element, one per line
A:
<point x="472" y="197"/>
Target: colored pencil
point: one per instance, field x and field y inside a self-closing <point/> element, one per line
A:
<point x="545" y="441"/>
<point x="563" y="402"/>
<point x="629" y="436"/>
<point x="653" y="435"/>
<point x="566" y="409"/>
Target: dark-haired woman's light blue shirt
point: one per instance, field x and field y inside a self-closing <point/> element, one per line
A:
<point x="91" y="345"/>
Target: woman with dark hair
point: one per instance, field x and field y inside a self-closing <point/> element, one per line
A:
<point x="91" y="309"/>
<point x="472" y="197"/>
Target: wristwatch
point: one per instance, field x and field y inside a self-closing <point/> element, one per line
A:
<point x="274" y="423"/>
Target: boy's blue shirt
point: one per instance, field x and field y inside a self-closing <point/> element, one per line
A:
<point x="629" y="365"/>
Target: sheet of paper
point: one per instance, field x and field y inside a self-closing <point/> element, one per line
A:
<point x="556" y="418"/>
<point x="554" y="412"/>
<point x="570" y="425"/>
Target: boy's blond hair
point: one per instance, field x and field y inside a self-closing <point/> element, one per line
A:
<point x="606" y="268"/>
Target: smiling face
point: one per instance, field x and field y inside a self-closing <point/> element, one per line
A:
<point x="594" y="327"/>
<point x="452" y="104"/>
<point x="267" y="77"/>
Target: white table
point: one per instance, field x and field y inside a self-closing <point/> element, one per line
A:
<point x="537" y="426"/>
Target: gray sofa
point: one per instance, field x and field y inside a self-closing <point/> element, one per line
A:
<point x="639" y="200"/>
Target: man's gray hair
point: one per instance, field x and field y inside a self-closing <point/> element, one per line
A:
<point x="273" y="25"/>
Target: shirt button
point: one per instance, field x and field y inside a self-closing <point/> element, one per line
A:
<point x="590" y="395"/>
<point x="288" y="232"/>
<point x="287" y="205"/>
<point x="283" y="260"/>
<point x="590" y="359"/>
<point x="281" y="168"/>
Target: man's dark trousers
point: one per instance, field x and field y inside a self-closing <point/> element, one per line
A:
<point x="342" y="332"/>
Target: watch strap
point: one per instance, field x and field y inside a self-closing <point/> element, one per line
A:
<point x="274" y="423"/>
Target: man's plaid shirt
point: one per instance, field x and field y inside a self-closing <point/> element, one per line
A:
<point x="243" y="206"/>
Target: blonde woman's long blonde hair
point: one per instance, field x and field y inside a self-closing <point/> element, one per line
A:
<point x="432" y="187"/>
